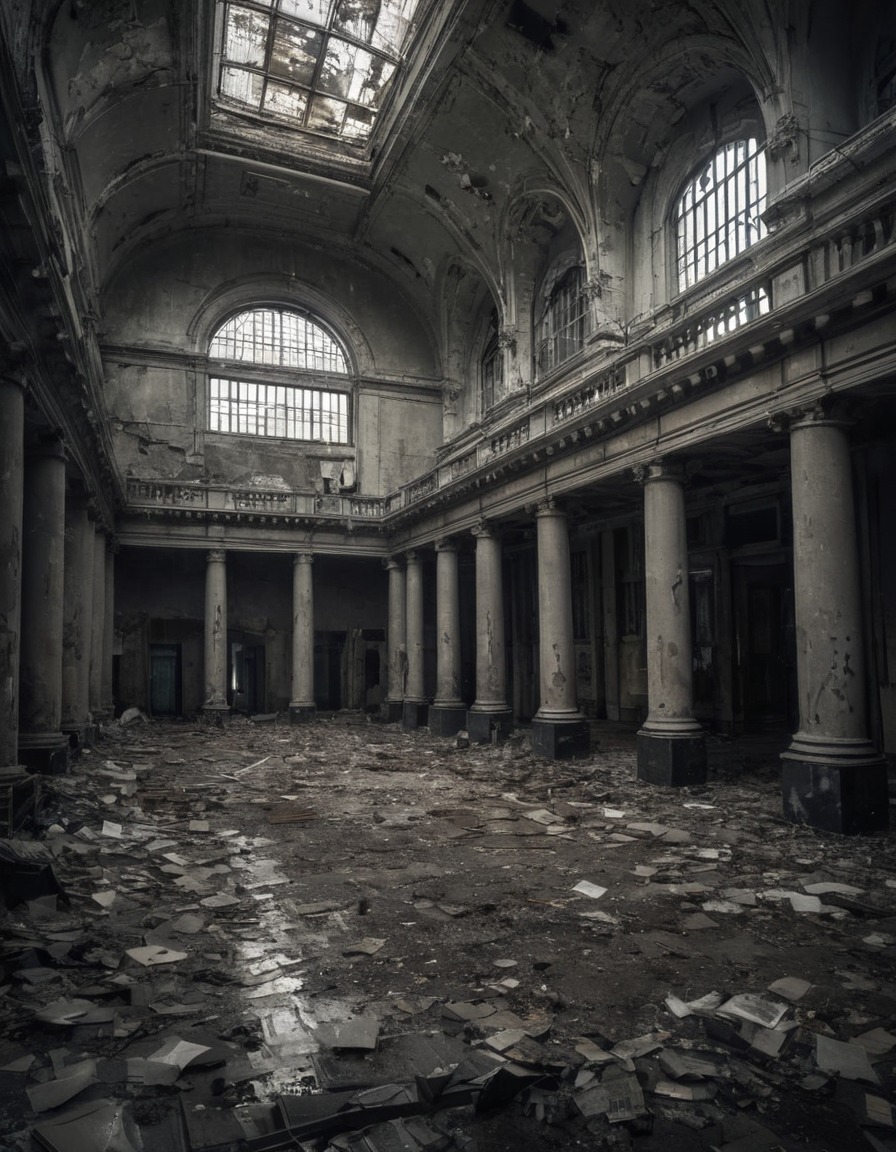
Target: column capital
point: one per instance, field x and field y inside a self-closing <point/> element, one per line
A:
<point x="47" y="445"/>
<point x="446" y="544"/>
<point x="507" y="338"/>
<point x="303" y="558"/>
<point x="549" y="507"/>
<point x="660" y="469"/>
<point x="485" y="530"/>
<point x="216" y="556"/>
<point x="413" y="557"/>
<point x="391" y="563"/>
<point x="827" y="410"/>
<point x="14" y="367"/>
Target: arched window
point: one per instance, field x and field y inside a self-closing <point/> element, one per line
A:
<point x="563" y="326"/>
<point x="276" y="372"/>
<point x="718" y="215"/>
<point x="492" y="367"/>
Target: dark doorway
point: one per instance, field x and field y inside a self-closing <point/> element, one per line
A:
<point x="164" y="679"/>
<point x="765" y="642"/>
<point x="247" y="677"/>
<point x="328" y="650"/>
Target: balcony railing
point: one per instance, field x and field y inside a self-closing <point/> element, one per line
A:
<point x="704" y="325"/>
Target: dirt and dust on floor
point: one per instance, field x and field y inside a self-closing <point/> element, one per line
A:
<point x="347" y="936"/>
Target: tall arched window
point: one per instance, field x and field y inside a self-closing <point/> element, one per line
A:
<point x="718" y="215"/>
<point x="563" y="326"/>
<point x="277" y="372"/>
<point x="492" y="366"/>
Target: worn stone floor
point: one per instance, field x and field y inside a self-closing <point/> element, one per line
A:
<point x="347" y="936"/>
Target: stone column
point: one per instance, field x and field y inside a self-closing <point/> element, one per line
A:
<point x="98" y="627"/>
<point x="558" y="727"/>
<point x="77" y="625"/>
<point x="833" y="776"/>
<point x="42" y="745"/>
<point x="671" y="744"/>
<point x="12" y="465"/>
<point x="414" y="711"/>
<point x="448" y="713"/>
<point x="215" y="707"/>
<point x="301" y="706"/>
<point x="490" y="714"/>
<point x="109" y="628"/>
<point x="396" y="640"/>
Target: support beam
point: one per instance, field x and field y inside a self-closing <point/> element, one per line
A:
<point x="833" y="776"/>
<point x="490" y="716"/>
<point x="215" y="707"/>
<point x="671" y="744"/>
<point x="42" y="745"/>
<point x="77" y="627"/>
<point x="448" y="714"/>
<point x="415" y="710"/>
<point x="559" y="729"/>
<point x="301" y="706"/>
<point x="396" y="642"/>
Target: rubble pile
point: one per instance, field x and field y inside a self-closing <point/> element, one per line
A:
<point x="346" y="936"/>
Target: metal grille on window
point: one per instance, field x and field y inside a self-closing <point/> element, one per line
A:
<point x="565" y="322"/>
<point x="719" y="214"/>
<point x="287" y="343"/>
<point x="253" y="409"/>
<point x="492" y="368"/>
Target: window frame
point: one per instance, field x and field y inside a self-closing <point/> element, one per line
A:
<point x="492" y="358"/>
<point x="307" y="387"/>
<point x="564" y="307"/>
<point x="691" y="267"/>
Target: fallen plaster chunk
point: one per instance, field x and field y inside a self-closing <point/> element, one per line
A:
<point x="464" y="1011"/>
<point x="63" y="1012"/>
<point x="52" y="1094"/>
<point x="877" y="1042"/>
<point x="177" y="1052"/>
<point x="586" y="888"/>
<point x="848" y="1060"/>
<point x="369" y="946"/>
<point x="675" y="1091"/>
<point x="728" y="907"/>
<point x="823" y="888"/>
<point x="101" y="1124"/>
<point x="790" y="987"/>
<point x="153" y="954"/>
<point x="110" y="828"/>
<point x="592" y="1052"/>
<point x="219" y="901"/>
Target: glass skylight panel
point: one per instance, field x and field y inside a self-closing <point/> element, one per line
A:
<point x="320" y="65"/>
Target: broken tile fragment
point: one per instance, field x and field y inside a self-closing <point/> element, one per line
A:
<point x="369" y="946"/>
<point x="586" y="888"/>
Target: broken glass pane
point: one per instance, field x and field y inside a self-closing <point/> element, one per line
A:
<point x="295" y="52"/>
<point x="358" y="123"/>
<point x="393" y="25"/>
<point x="326" y="115"/>
<point x="357" y="18"/>
<point x="281" y="100"/>
<point x="353" y="73"/>
<point x="246" y="36"/>
<point x="312" y="11"/>
<point x="238" y="84"/>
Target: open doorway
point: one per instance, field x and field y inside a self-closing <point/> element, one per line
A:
<point x="165" y="679"/>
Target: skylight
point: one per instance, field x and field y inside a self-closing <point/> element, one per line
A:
<point x="320" y="66"/>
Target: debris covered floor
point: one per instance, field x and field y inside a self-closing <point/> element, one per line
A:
<point x="347" y="936"/>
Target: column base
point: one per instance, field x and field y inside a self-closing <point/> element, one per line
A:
<point x="674" y="761"/>
<point x="482" y="727"/>
<point x="302" y="713"/>
<point x="80" y="736"/>
<point x="447" y="719"/>
<point x="560" y="739"/>
<point x="46" y="753"/>
<point x="392" y="711"/>
<point x="216" y="714"/>
<point x="851" y="799"/>
<point x="415" y="714"/>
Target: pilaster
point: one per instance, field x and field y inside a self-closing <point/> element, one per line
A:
<point x="447" y="714"/>
<point x="215" y="707"/>
<point x="415" y="709"/>
<point x="396" y="642"/>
